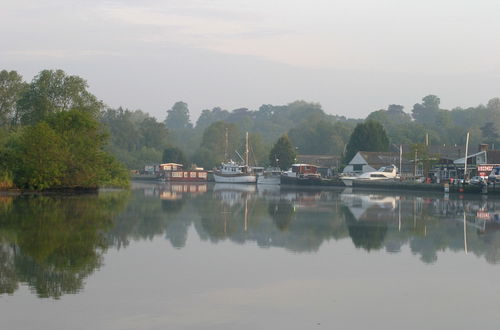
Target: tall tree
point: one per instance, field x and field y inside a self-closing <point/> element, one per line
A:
<point x="53" y="91"/>
<point x="11" y="88"/>
<point x="283" y="153"/>
<point x="178" y="116"/>
<point x="368" y="136"/>
<point x="489" y="133"/>
<point x="174" y="155"/>
<point x="427" y="111"/>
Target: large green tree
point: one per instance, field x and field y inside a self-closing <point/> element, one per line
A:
<point x="368" y="136"/>
<point x="52" y="91"/>
<point x="11" y="88"/>
<point x="64" y="150"/>
<point x="178" y="116"/>
<point x="428" y="111"/>
<point x="283" y="153"/>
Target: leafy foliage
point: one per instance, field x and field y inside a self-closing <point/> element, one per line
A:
<point x="368" y="136"/>
<point x="53" y="91"/>
<point x="174" y="155"/>
<point x="136" y="138"/>
<point x="213" y="149"/>
<point x="283" y="153"/>
<point x="11" y="88"/>
<point x="65" y="150"/>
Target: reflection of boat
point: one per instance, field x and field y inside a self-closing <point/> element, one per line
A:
<point x="272" y="177"/>
<point x="232" y="193"/>
<point x="384" y="173"/>
<point x="370" y="207"/>
<point x="247" y="188"/>
<point x="301" y="174"/>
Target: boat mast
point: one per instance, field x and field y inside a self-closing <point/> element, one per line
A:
<point x="225" y="146"/>
<point x="246" y="149"/>
<point x="466" y="151"/>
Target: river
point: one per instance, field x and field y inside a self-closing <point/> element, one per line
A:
<point x="211" y="256"/>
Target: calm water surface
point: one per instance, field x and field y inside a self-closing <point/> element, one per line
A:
<point x="241" y="257"/>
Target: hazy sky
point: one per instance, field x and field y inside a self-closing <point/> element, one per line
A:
<point x="352" y="56"/>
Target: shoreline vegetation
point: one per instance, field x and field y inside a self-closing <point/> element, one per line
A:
<point x="55" y="135"/>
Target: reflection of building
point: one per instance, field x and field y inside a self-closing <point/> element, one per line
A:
<point x="370" y="207"/>
<point x="176" y="191"/>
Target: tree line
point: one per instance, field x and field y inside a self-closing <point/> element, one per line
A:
<point x="57" y="111"/>
<point x="51" y="136"/>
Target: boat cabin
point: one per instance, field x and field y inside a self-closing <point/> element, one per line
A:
<point x="304" y="169"/>
<point x="234" y="168"/>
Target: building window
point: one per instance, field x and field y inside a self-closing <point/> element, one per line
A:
<point x="357" y="167"/>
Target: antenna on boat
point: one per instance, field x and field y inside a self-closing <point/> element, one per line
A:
<point x="466" y="151"/>
<point x="246" y="149"/>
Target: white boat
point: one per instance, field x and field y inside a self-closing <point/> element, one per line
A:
<point x="384" y="173"/>
<point x="269" y="177"/>
<point x="232" y="172"/>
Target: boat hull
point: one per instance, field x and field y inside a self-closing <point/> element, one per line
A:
<point x="306" y="180"/>
<point x="273" y="180"/>
<point x="226" y="178"/>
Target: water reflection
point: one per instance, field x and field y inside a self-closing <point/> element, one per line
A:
<point x="301" y="221"/>
<point x="52" y="244"/>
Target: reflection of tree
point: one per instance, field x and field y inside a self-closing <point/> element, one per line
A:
<point x="368" y="235"/>
<point x="172" y="206"/>
<point x="8" y="277"/>
<point x="282" y="213"/>
<point x="54" y="243"/>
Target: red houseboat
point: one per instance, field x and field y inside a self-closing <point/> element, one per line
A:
<point x="175" y="172"/>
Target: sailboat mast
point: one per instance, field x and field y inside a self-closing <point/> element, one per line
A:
<point x="466" y="152"/>
<point x="246" y="149"/>
<point x="225" y="145"/>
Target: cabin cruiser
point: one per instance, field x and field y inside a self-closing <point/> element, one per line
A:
<point x="384" y="173"/>
<point x="494" y="176"/>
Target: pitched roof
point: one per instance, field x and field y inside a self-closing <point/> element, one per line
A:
<point x="320" y="160"/>
<point x="380" y="158"/>
<point x="493" y="156"/>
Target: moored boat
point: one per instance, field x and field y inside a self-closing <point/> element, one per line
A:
<point x="301" y="174"/>
<point x="271" y="176"/>
<point x="231" y="172"/>
<point x="384" y="173"/>
<point x="175" y="172"/>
